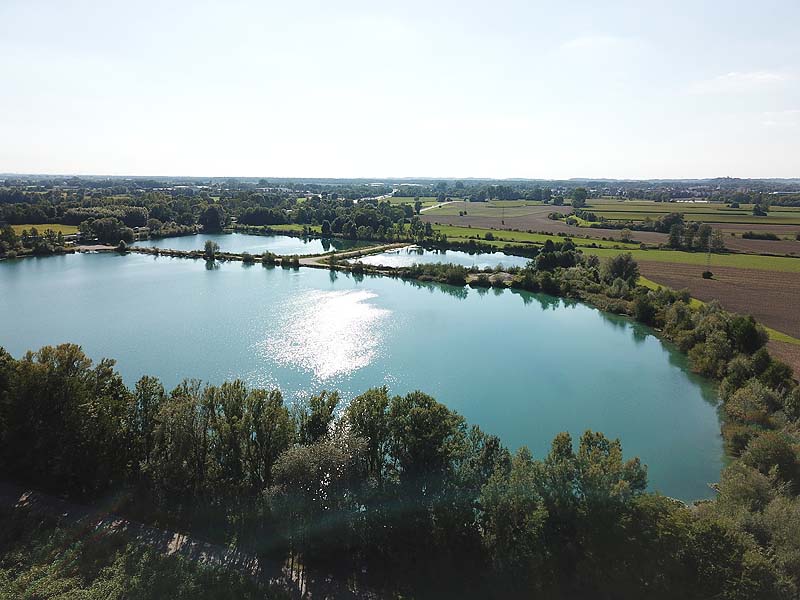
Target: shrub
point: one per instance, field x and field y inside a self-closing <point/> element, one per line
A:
<point x="754" y="235"/>
<point x="772" y="450"/>
<point x="481" y="281"/>
<point x="708" y="275"/>
<point x="248" y="258"/>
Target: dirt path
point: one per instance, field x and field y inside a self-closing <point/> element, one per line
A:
<point x="441" y="204"/>
<point x="166" y="542"/>
<point x="174" y="543"/>
<point x="322" y="259"/>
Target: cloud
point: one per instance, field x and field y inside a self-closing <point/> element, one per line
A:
<point x="782" y="118"/>
<point x="742" y="82"/>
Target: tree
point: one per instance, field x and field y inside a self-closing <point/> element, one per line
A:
<point x="622" y="266"/>
<point x="315" y="418"/>
<point x="140" y="423"/>
<point x="368" y="415"/>
<point x="579" y="197"/>
<point x="65" y="421"/>
<point x="423" y="439"/>
<point x="773" y="450"/>
<point x="704" y="237"/>
<point x="326" y="227"/>
<point x="211" y="250"/>
<point x="675" y="236"/>
<point x="110" y="230"/>
<point x="212" y="218"/>
<point x="717" y="241"/>
<point x="417" y="205"/>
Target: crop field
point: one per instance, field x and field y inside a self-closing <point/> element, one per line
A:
<point x="767" y="295"/>
<point x="498" y="209"/>
<point x="780" y="264"/>
<point x="456" y="233"/>
<point x="426" y="200"/>
<point x="42" y="227"/>
<point x="638" y="210"/>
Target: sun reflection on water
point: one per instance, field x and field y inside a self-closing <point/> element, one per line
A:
<point x="330" y="334"/>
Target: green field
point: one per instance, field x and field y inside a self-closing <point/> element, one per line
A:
<point x="497" y="209"/>
<point x="456" y="233"/>
<point x="742" y="261"/>
<point x="426" y="200"/>
<point x="638" y="210"/>
<point x="295" y="228"/>
<point x="42" y="227"/>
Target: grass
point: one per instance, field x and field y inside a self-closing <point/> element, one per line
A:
<point x="638" y="210"/>
<point x="42" y="227"/>
<point x="498" y="209"/>
<point x="774" y="335"/>
<point x="741" y="261"/>
<point x="426" y="200"/>
<point x="456" y="233"/>
<point x="295" y="228"/>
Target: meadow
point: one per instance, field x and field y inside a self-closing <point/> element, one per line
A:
<point x="459" y="234"/>
<point x="637" y="210"/>
<point x="42" y="227"/>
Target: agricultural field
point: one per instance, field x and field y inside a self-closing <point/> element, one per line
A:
<point x="42" y="227"/>
<point x="780" y="264"/>
<point x="456" y="233"/>
<point x="497" y="209"/>
<point x="770" y="296"/>
<point x="638" y="210"/>
<point x="426" y="200"/>
<point x="763" y="294"/>
<point x="530" y="216"/>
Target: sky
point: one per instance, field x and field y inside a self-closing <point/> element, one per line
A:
<point x="614" y="89"/>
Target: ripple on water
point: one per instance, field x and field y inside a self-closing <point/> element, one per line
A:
<point x="329" y="334"/>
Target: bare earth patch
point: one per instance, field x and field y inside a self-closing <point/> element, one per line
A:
<point x="771" y="297"/>
<point x="788" y="353"/>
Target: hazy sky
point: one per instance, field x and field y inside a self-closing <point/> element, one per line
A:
<point x="629" y="89"/>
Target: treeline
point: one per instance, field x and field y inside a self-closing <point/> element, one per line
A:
<point x="682" y="235"/>
<point x="168" y="213"/>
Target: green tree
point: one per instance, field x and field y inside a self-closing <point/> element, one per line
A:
<point x="675" y="236"/>
<point x="212" y="218"/>
<point x="579" y="197"/>
<point x="315" y="418"/>
<point x="211" y="250"/>
<point x="622" y="266"/>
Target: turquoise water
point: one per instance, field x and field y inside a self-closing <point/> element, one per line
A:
<point x="254" y="244"/>
<point x="522" y="366"/>
<point x="405" y="257"/>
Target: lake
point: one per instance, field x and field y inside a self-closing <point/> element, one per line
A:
<point x="405" y="257"/>
<point x="522" y="366"/>
<point x="254" y="244"/>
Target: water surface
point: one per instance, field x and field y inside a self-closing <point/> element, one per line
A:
<point x="254" y="244"/>
<point x="405" y="257"/>
<point x="522" y="366"/>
